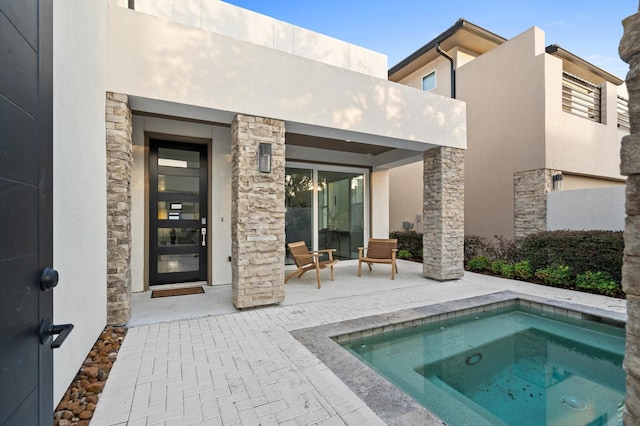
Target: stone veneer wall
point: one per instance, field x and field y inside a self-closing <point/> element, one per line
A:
<point x="443" y="214"/>
<point x="119" y="161"/>
<point x="530" y="200"/>
<point x="630" y="166"/>
<point x="257" y="229"/>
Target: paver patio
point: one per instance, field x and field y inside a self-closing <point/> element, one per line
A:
<point x="227" y="367"/>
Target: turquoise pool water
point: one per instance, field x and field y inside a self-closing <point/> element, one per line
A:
<point x="514" y="366"/>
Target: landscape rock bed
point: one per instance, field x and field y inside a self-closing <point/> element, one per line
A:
<point x="80" y="399"/>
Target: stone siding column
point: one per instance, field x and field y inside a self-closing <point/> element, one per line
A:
<point x="119" y="161"/>
<point x="530" y="200"/>
<point x="443" y="215"/>
<point x="257" y="229"/>
<point x="630" y="166"/>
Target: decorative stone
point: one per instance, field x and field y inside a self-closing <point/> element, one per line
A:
<point x="80" y="402"/>
<point x="85" y="415"/>
<point x="443" y="212"/>
<point x="119" y="163"/>
<point x="530" y="200"/>
<point x="632" y="206"/>
<point x="631" y="275"/>
<point x="630" y="166"/>
<point x="632" y="235"/>
<point x="630" y="155"/>
<point x="257" y="225"/>
<point x="630" y="42"/>
<point x="95" y="387"/>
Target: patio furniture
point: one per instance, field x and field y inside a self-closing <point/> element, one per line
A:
<point x="308" y="260"/>
<point x="379" y="250"/>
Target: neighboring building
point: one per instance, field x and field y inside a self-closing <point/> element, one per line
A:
<point x="539" y="119"/>
<point x="227" y="134"/>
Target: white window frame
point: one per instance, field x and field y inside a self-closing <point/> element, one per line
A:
<point x="435" y="80"/>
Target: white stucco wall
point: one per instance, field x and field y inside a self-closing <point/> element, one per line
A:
<point x="406" y="196"/>
<point x="515" y="122"/>
<point x="586" y="209"/>
<point x="505" y="93"/>
<point x="219" y="186"/>
<point x="242" y="24"/>
<point x="152" y="58"/>
<point x="79" y="177"/>
<point x="379" y="204"/>
<point x="575" y="144"/>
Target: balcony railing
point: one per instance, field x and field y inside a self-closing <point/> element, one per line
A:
<point x="580" y="97"/>
<point x="623" y="114"/>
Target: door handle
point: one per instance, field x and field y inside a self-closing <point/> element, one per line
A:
<point x="203" y="231"/>
<point x="48" y="330"/>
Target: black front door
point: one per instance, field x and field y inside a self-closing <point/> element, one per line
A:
<point x="26" y="225"/>
<point x="177" y="212"/>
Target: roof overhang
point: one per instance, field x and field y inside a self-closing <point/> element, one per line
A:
<point x="462" y="34"/>
<point x="581" y="68"/>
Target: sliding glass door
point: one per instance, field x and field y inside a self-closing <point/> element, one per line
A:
<point x="327" y="207"/>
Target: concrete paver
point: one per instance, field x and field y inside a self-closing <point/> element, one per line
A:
<point x="245" y="368"/>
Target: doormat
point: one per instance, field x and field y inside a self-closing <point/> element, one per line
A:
<point x="176" y="292"/>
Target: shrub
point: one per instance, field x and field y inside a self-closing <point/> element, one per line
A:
<point x="505" y="249"/>
<point x="598" y="282"/>
<point x="522" y="270"/>
<point x="507" y="270"/>
<point x="478" y="263"/>
<point x="581" y="251"/>
<point x="404" y="254"/>
<point x="410" y="241"/>
<point x="498" y="248"/>
<point x="475" y="246"/>
<point x="496" y="267"/>
<point x="557" y="275"/>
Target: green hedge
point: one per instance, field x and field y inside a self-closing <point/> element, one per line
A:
<point x="496" y="248"/>
<point x="581" y="251"/>
<point x="410" y="241"/>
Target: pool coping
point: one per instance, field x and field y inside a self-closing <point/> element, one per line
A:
<point x="391" y="404"/>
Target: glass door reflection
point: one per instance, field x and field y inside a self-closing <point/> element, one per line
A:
<point x="299" y="207"/>
<point x="341" y="212"/>
<point x="326" y="208"/>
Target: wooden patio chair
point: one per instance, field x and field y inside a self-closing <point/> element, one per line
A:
<point x="307" y="261"/>
<point x="379" y="251"/>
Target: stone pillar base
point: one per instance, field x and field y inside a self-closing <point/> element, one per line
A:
<point x="257" y="229"/>
<point x="443" y="214"/>
<point x="630" y="166"/>
<point x="530" y="189"/>
<point x="119" y="161"/>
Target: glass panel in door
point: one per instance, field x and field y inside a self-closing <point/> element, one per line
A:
<point x="341" y="212"/>
<point x="299" y="207"/>
<point x="178" y="188"/>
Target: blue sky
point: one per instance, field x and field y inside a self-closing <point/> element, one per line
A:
<point x="590" y="29"/>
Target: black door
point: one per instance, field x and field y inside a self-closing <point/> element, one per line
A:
<point x="177" y="212"/>
<point x="26" y="244"/>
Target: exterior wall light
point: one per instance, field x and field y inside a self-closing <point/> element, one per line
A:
<point x="557" y="181"/>
<point x="264" y="157"/>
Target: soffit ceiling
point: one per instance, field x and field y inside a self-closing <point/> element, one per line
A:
<point x="469" y="38"/>
<point x="334" y="144"/>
